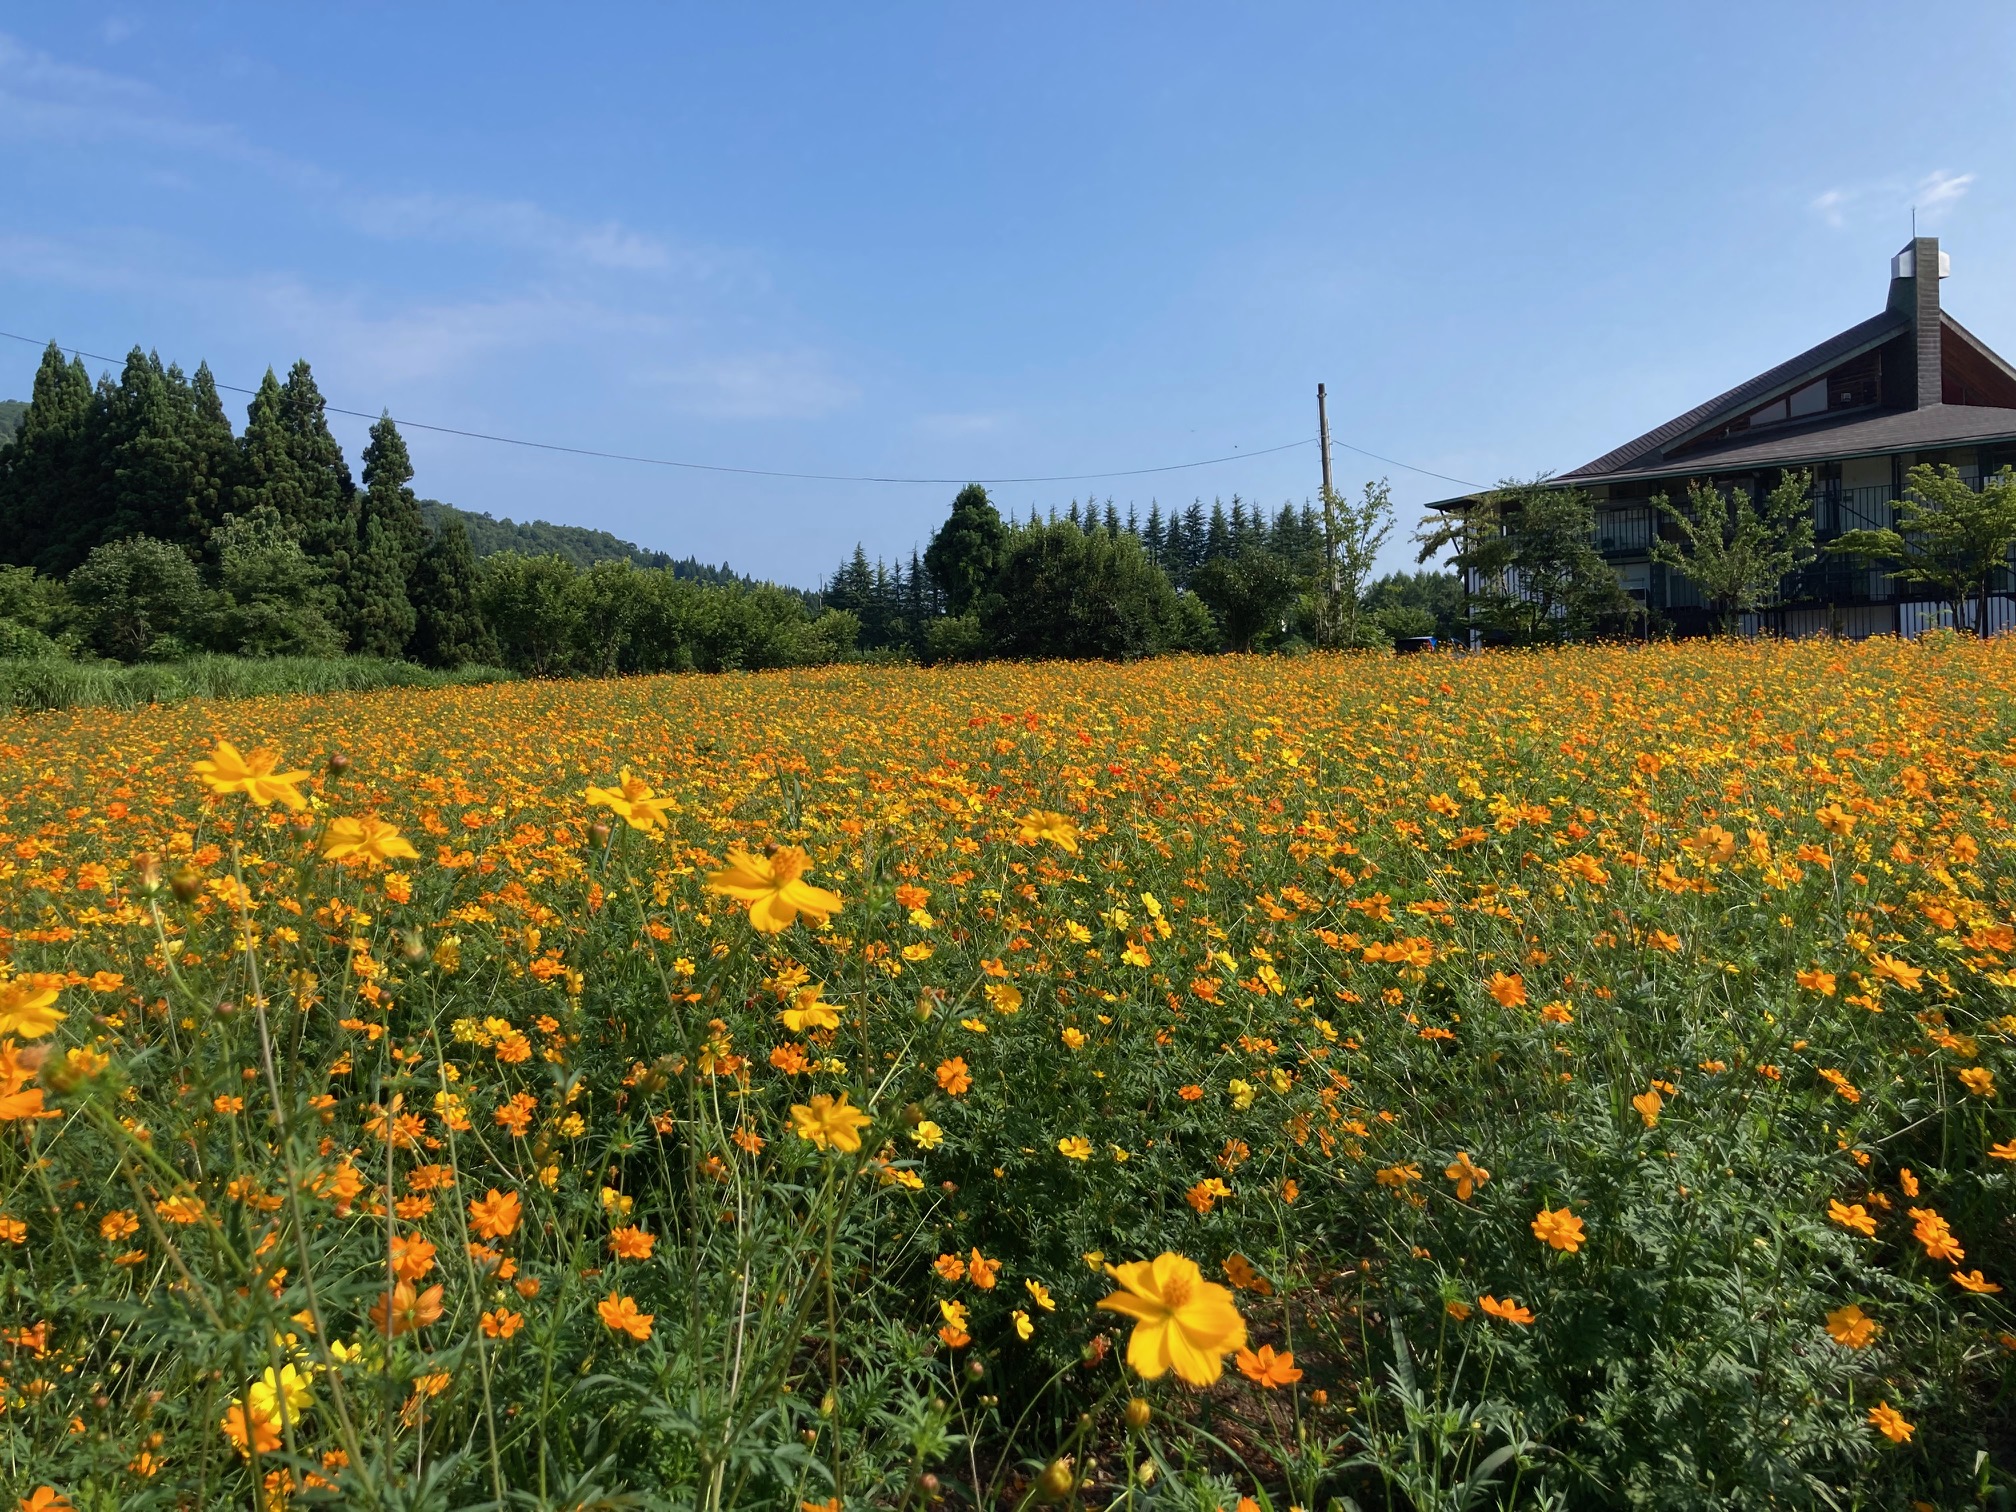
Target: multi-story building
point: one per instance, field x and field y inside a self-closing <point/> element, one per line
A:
<point x="1905" y="386"/>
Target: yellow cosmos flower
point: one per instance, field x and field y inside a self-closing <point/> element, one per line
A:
<point x="807" y="1012"/>
<point x="1181" y="1321"/>
<point x="1048" y="824"/>
<point x="371" y="841"/>
<point x="28" y="1011"/>
<point x="227" y="771"/>
<point x="631" y="800"/>
<point x="771" y="887"/>
<point x="827" y="1122"/>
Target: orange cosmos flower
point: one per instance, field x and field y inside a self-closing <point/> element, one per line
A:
<point x="1850" y="1327"/>
<point x="619" y="1314"/>
<point x="631" y="801"/>
<point x="405" y="1310"/>
<point x="496" y="1215"/>
<point x="369" y="841"/>
<point x="501" y="1324"/>
<point x="249" y="1432"/>
<point x="1558" y="1228"/>
<point x="1889" y="1422"/>
<point x="1931" y="1230"/>
<point x="953" y="1078"/>
<point x="1467" y="1175"/>
<point x="412" y="1257"/>
<point x="1510" y="991"/>
<point x="1816" y="980"/>
<point x="1507" y="1311"/>
<point x="981" y="1271"/>
<point x="1974" y="1281"/>
<point x="1978" y="1080"/>
<point x="226" y="771"/>
<point x="1852" y="1215"/>
<point x="629" y="1243"/>
<point x="1888" y="968"/>
<point x="771" y="887"/>
<point x="1264" y="1368"/>
<point x="1181" y="1321"/>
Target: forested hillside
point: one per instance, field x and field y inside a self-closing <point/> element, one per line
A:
<point x="579" y="544"/>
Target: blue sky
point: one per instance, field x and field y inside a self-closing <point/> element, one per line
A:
<point x="956" y="241"/>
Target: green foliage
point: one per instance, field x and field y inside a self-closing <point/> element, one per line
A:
<point x="448" y="628"/>
<point x="968" y="550"/>
<point x="1352" y="534"/>
<point x="271" y="599"/>
<point x="1418" y="603"/>
<point x="11" y="411"/>
<point x="1737" y="551"/>
<point x="1060" y="592"/>
<point x="1542" y="581"/>
<point x="34" y="684"/>
<point x="132" y="594"/>
<point x="1950" y="538"/>
<point x="1249" y="595"/>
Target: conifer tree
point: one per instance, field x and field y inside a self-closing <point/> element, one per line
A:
<point x="448" y="630"/>
<point x="1195" y="537"/>
<point x="1155" y="539"/>
<point x="965" y="553"/>
<point x="213" y="451"/>
<point x="390" y="537"/>
<point x="45" y="469"/>
<point x="1217" y="535"/>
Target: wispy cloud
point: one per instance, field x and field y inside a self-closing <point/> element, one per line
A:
<point x="43" y="98"/>
<point x="796" y="385"/>
<point x="1931" y="196"/>
<point x="557" y="282"/>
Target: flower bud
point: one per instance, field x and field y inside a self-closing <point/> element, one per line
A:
<point x="599" y="832"/>
<point x="1139" y="1413"/>
<point x="186" y="883"/>
<point x="1056" y="1482"/>
<point x="150" y="875"/>
<point x="338" y="763"/>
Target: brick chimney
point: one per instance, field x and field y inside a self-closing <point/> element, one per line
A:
<point x="1914" y="290"/>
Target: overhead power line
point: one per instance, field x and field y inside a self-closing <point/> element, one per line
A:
<point x="803" y="477"/>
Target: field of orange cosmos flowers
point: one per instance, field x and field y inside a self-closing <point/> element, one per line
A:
<point x="1567" y="1080"/>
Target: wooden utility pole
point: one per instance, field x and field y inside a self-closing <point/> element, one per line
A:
<point x="1331" y="619"/>
<point x="1323" y="434"/>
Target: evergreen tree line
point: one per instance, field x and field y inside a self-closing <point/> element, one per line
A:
<point x="137" y="525"/>
<point x="1088" y="582"/>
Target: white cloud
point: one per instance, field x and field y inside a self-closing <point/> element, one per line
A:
<point x="1937" y="191"/>
<point x="1891" y="198"/>
<point x="796" y="385"/>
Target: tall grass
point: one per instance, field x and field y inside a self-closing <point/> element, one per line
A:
<point x="35" y="684"/>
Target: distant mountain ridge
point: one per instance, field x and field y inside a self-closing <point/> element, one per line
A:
<point x="579" y="544"/>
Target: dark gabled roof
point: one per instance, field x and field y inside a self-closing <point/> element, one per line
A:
<point x="1650" y="449"/>
<point x="1870" y="433"/>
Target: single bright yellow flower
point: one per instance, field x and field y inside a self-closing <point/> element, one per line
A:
<point x="807" y="1012"/>
<point x="771" y="887"/>
<point x="1181" y="1321"/>
<point x="1047" y="824"/>
<point x="371" y="841"/>
<point x="28" y="1011"/>
<point x="226" y="771"/>
<point x="827" y="1122"/>
<point x="631" y="801"/>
